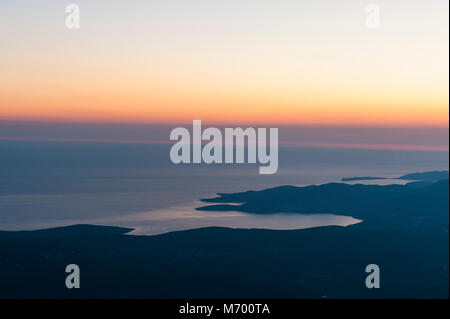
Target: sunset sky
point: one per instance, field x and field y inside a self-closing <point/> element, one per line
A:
<point x="281" y="62"/>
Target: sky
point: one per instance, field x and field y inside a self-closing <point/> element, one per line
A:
<point x="247" y="62"/>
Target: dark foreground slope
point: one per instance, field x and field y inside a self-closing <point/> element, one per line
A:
<point x="409" y="242"/>
<point x="219" y="262"/>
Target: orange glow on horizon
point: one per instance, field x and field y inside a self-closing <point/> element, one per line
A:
<point x="156" y="67"/>
<point x="220" y="109"/>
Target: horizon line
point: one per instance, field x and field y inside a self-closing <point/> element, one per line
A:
<point x="369" y="146"/>
<point x="209" y="122"/>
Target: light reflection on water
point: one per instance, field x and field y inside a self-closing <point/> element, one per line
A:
<point x="186" y="217"/>
<point x="51" y="184"/>
<point x="126" y="210"/>
<point x="386" y="181"/>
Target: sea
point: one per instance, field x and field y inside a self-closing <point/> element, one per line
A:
<point x="48" y="184"/>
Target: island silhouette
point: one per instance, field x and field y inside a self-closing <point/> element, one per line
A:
<point x="421" y="176"/>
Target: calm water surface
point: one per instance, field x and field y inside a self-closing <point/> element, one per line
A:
<point x="47" y="184"/>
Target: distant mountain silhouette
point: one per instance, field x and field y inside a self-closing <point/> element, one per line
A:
<point x="426" y="176"/>
<point x="405" y="205"/>
<point x="432" y="176"/>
